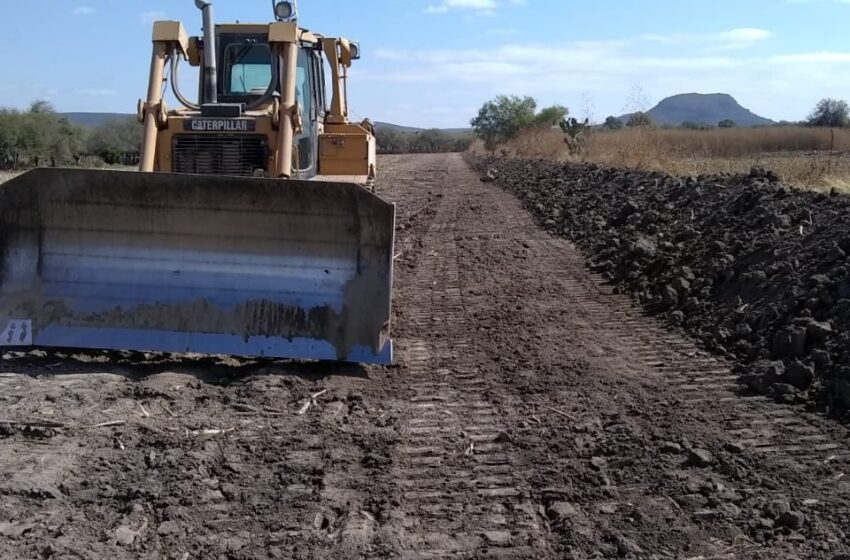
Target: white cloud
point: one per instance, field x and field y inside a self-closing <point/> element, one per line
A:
<point x="812" y="58"/>
<point x="782" y="86"/>
<point x="724" y="40"/>
<point x="150" y="17"/>
<point x="478" y="7"/>
<point x="83" y="11"/>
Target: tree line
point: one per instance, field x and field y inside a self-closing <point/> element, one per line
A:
<point x="828" y="112"/>
<point x="39" y="136"/>
<point x="393" y="141"/>
<point x="505" y="117"/>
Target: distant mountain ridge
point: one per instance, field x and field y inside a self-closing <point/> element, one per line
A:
<point x="88" y="120"/>
<point x="703" y="108"/>
<point x="379" y="126"/>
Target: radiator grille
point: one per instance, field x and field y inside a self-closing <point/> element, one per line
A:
<point x="214" y="154"/>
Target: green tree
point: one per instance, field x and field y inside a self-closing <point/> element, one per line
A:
<point x="503" y="118"/>
<point x="37" y="136"/>
<point x="726" y="123"/>
<point x="67" y="143"/>
<point x="42" y="107"/>
<point x="10" y="133"/>
<point x="392" y="141"/>
<point x="116" y="140"/>
<point x="38" y="132"/>
<point x="639" y="120"/>
<point x="462" y="142"/>
<point x="613" y="123"/>
<point x="430" y="141"/>
<point x="551" y="116"/>
<point x="692" y="125"/>
<point x="830" y="112"/>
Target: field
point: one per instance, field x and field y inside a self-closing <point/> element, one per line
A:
<point x="813" y="158"/>
<point x="534" y="412"/>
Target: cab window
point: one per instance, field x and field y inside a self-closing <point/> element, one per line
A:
<point x="248" y="69"/>
<point x="304" y="95"/>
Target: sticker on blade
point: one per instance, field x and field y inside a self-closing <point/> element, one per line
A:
<point x="18" y="332"/>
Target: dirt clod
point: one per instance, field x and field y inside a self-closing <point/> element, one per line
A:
<point x="561" y="511"/>
<point x="700" y="458"/>
<point x="793" y="520"/>
<point x="125" y="536"/>
<point x="671" y="448"/>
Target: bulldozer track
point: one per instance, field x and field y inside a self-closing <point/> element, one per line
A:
<point x="463" y="492"/>
<point x="704" y="379"/>
<point x="450" y="414"/>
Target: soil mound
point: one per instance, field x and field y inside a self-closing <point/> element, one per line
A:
<point x="755" y="268"/>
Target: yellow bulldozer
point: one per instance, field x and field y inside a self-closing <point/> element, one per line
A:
<point x="252" y="228"/>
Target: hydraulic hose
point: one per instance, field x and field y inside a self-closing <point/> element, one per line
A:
<point x="175" y="85"/>
<point x="264" y="99"/>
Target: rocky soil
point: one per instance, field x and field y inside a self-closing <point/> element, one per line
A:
<point x="531" y="413"/>
<point x="756" y="269"/>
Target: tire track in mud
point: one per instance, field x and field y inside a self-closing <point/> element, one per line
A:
<point x="701" y="379"/>
<point x="463" y="493"/>
<point x="698" y="376"/>
<point x="657" y="384"/>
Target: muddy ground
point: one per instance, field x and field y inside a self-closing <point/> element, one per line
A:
<point x="755" y="269"/>
<point x="532" y="413"/>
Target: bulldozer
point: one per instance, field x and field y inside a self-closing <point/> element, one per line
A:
<point x="250" y="229"/>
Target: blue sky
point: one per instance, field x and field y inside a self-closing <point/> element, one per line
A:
<point x="434" y="62"/>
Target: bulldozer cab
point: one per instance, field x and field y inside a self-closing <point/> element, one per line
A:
<point x="246" y="67"/>
<point x="272" y="101"/>
<point x="246" y="76"/>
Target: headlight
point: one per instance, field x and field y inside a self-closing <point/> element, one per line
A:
<point x="284" y="11"/>
<point x="355" y="50"/>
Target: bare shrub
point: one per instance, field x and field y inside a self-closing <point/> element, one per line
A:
<point x="540" y="143"/>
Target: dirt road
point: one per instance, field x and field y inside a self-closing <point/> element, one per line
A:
<point x="5" y="176"/>
<point x="532" y="414"/>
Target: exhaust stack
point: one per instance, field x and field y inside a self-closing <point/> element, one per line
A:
<point x="210" y="70"/>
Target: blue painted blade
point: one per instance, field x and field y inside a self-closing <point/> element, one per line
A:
<point x="190" y="263"/>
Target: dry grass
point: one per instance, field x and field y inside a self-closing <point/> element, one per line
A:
<point x="812" y="158"/>
<point x="532" y="143"/>
<point x="723" y="143"/>
<point x="807" y="157"/>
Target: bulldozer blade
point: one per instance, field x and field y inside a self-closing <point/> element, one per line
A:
<point x="195" y="264"/>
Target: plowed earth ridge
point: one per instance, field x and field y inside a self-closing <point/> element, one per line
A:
<point x="532" y="413"/>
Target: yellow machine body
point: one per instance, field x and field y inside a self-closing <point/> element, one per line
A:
<point x="344" y="150"/>
<point x="251" y="229"/>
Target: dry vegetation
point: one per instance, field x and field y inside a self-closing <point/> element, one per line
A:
<point x="817" y="158"/>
